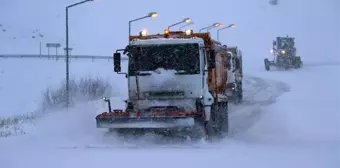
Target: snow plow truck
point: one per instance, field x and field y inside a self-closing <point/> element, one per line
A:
<point x="177" y="82"/>
<point x="284" y="53"/>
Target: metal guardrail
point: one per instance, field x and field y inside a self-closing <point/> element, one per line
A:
<point x="57" y="56"/>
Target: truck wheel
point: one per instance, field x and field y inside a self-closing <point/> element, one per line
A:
<point x="266" y="64"/>
<point x="239" y="93"/>
<point x="297" y="62"/>
<point x="221" y="119"/>
<point x="286" y="65"/>
<point x="237" y="96"/>
<point x="198" y="132"/>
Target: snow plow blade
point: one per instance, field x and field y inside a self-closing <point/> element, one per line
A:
<point x="119" y="119"/>
<point x="163" y="122"/>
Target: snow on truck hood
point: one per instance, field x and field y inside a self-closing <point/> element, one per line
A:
<point x="161" y="76"/>
<point x="166" y="80"/>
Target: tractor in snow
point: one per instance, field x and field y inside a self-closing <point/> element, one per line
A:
<point x="284" y="54"/>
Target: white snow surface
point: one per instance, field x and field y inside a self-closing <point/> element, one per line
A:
<point x="289" y="120"/>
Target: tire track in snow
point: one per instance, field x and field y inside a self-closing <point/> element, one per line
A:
<point x="258" y="93"/>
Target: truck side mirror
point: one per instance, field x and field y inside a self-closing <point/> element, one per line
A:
<point x="274" y="43"/>
<point x="211" y="59"/>
<point x="116" y="62"/>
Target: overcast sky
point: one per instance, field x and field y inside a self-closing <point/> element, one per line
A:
<point x="101" y="26"/>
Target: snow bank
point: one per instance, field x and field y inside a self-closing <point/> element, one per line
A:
<point x="307" y="115"/>
<point x="23" y="95"/>
<point x="23" y="81"/>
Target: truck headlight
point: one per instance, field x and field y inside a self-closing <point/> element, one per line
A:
<point x="144" y="32"/>
<point x="188" y="32"/>
<point x="283" y="51"/>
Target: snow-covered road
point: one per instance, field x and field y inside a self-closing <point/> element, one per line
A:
<point x="299" y="128"/>
<point x="290" y="119"/>
<point x="257" y="93"/>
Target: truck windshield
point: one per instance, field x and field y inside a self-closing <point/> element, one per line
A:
<point x="286" y="43"/>
<point x="179" y="57"/>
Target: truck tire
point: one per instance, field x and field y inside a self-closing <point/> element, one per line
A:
<point x="198" y="132"/>
<point x="201" y="130"/>
<point x="297" y="62"/>
<point x="221" y="119"/>
<point x="286" y="64"/>
<point x="239" y="93"/>
<point x="266" y="64"/>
